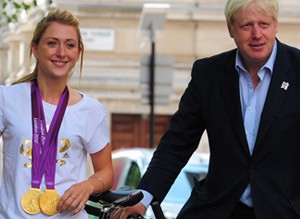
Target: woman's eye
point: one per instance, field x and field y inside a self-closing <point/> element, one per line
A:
<point x="52" y="43"/>
<point x="70" y="45"/>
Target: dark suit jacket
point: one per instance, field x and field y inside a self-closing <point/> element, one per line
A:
<point x="212" y="102"/>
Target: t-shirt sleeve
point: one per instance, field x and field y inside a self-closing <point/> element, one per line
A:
<point x="100" y="133"/>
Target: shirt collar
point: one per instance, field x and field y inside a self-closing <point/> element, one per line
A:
<point x="269" y="64"/>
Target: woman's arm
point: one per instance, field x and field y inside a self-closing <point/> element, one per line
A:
<point x="103" y="178"/>
<point x="76" y="196"/>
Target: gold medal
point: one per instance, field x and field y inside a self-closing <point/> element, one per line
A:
<point x="30" y="201"/>
<point x="49" y="201"/>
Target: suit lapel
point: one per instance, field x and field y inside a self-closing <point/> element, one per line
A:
<point x="276" y="94"/>
<point x="230" y="91"/>
<point x="275" y="98"/>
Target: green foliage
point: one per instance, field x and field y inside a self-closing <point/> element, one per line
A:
<point x="10" y="10"/>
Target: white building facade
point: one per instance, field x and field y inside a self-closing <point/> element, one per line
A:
<point x="193" y="29"/>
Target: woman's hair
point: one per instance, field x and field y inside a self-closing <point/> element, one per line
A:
<point x="55" y="15"/>
<point x="232" y="6"/>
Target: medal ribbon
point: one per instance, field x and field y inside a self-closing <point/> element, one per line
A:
<point x="45" y="143"/>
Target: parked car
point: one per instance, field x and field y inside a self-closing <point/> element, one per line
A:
<point x="131" y="164"/>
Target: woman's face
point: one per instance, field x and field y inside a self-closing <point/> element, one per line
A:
<point x="57" y="51"/>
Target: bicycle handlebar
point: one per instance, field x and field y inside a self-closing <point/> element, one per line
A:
<point x="121" y="198"/>
<point x="111" y="200"/>
<point x="158" y="213"/>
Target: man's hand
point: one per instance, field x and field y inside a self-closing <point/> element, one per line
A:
<point x="124" y="213"/>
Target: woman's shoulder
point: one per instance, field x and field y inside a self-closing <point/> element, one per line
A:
<point x="75" y="97"/>
<point x="80" y="99"/>
<point x="15" y="88"/>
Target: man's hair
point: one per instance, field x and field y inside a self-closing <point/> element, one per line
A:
<point x="269" y="6"/>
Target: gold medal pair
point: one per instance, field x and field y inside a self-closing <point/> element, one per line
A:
<point x="35" y="201"/>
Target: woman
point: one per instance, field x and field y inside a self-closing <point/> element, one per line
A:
<point x="48" y="128"/>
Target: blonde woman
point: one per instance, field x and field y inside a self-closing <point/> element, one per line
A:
<point x="49" y="128"/>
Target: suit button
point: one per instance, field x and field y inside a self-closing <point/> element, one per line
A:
<point x="251" y="169"/>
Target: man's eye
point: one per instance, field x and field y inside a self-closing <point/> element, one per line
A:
<point x="264" y="25"/>
<point x="247" y="26"/>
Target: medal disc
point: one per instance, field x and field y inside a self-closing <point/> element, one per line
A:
<point x="49" y="201"/>
<point x="30" y="201"/>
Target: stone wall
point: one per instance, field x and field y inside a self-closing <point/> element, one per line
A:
<point x="193" y="29"/>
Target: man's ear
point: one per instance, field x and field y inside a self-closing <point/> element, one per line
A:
<point x="276" y="25"/>
<point x="229" y="28"/>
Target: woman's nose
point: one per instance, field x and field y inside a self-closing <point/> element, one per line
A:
<point x="60" y="51"/>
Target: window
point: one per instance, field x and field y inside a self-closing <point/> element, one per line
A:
<point x="133" y="177"/>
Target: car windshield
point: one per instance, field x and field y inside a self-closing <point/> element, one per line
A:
<point x="129" y="167"/>
<point x="181" y="189"/>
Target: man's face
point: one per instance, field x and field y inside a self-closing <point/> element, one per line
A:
<point x="254" y="32"/>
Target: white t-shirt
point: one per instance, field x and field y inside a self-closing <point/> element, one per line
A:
<point x="83" y="130"/>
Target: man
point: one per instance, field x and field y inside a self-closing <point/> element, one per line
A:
<point x="248" y="101"/>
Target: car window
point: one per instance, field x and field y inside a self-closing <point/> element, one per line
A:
<point x="118" y="165"/>
<point x="182" y="187"/>
<point x="180" y="190"/>
<point x="134" y="176"/>
<point x="195" y="176"/>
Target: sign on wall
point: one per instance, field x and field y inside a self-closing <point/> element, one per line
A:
<point x="163" y="82"/>
<point x="98" y="39"/>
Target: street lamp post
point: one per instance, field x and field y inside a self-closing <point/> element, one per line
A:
<point x="152" y="19"/>
<point x="151" y="92"/>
